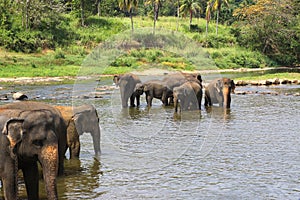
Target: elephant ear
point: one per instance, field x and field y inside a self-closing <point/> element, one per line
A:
<point x="13" y="130"/>
<point x="218" y="86"/>
<point x="232" y="86"/>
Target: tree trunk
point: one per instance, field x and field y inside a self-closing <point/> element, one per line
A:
<point x="178" y="14"/>
<point x="131" y="19"/>
<point x="191" y="17"/>
<point x="98" y="8"/>
<point x="82" y="12"/>
<point x="217" y="22"/>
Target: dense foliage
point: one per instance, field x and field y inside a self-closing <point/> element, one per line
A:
<point x="257" y="27"/>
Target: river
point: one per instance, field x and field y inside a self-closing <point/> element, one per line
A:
<point x="250" y="151"/>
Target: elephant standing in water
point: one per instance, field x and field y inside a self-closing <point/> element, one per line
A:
<point x="127" y="84"/>
<point x="79" y="120"/>
<point x="42" y="139"/>
<point x="189" y="95"/>
<point x="155" y="89"/>
<point x="218" y="91"/>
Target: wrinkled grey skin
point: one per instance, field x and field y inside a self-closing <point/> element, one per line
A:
<point x="189" y="95"/>
<point x="10" y="135"/>
<point x="177" y="79"/>
<point x="79" y="120"/>
<point x="87" y="121"/>
<point x="218" y="91"/>
<point x="155" y="89"/>
<point x="127" y="84"/>
<point x="39" y="143"/>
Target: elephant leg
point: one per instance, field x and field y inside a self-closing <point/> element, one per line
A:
<point x="149" y="100"/>
<point x="207" y="101"/>
<point x="137" y="100"/>
<point x="132" y="98"/>
<point x="75" y="149"/>
<point x="31" y="178"/>
<point x="9" y="184"/>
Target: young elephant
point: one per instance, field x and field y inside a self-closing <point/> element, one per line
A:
<point x="79" y="120"/>
<point x="156" y="89"/>
<point x="127" y="84"/>
<point x="189" y="95"/>
<point x="218" y="91"/>
<point x="10" y="136"/>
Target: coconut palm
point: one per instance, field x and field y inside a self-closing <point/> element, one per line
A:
<point x="217" y="4"/>
<point x="208" y="14"/>
<point x="128" y="6"/>
<point x="188" y="7"/>
<point x="156" y="4"/>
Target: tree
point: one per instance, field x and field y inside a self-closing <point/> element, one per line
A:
<point x="156" y="4"/>
<point x="128" y="6"/>
<point x="271" y="27"/>
<point x="217" y="5"/>
<point x="208" y="15"/>
<point x="188" y="7"/>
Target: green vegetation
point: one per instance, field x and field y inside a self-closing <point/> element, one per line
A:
<point x="289" y="76"/>
<point x="46" y="38"/>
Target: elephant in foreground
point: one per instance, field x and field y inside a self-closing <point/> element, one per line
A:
<point x="79" y="120"/>
<point x="127" y="84"/>
<point x="189" y="95"/>
<point x="155" y="89"/>
<point x="219" y="91"/>
<point x="43" y="140"/>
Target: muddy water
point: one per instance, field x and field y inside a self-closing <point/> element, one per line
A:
<point x="248" y="152"/>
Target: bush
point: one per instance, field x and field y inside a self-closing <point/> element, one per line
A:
<point x="236" y="58"/>
<point x="215" y="41"/>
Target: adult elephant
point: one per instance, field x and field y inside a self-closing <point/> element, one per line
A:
<point x="219" y="91"/>
<point x="79" y="120"/>
<point x="189" y="95"/>
<point x="127" y="84"/>
<point x="41" y="132"/>
<point x="10" y="135"/>
<point x="177" y="79"/>
<point x="155" y="89"/>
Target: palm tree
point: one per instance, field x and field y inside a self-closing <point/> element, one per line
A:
<point x="189" y="7"/>
<point x="217" y="4"/>
<point x="128" y="6"/>
<point x="208" y="14"/>
<point x="156" y="4"/>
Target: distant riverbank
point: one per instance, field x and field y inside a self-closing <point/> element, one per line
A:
<point x="261" y="76"/>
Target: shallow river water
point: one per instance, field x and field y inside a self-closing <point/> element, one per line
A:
<point x="250" y="151"/>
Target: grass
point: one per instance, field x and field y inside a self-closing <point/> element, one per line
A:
<point x="289" y="76"/>
<point x="66" y="61"/>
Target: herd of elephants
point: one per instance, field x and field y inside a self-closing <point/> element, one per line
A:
<point x="33" y="132"/>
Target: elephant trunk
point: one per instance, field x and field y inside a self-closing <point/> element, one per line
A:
<point x="49" y="161"/>
<point x="226" y="97"/>
<point x="176" y="102"/>
<point x="96" y="140"/>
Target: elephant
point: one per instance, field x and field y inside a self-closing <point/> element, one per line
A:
<point x="155" y="89"/>
<point x="218" y="91"/>
<point x="10" y="136"/>
<point x="42" y="131"/>
<point x="177" y="79"/>
<point x="189" y="94"/>
<point x="127" y="84"/>
<point x="79" y="120"/>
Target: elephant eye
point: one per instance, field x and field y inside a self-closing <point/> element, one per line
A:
<point x="38" y="143"/>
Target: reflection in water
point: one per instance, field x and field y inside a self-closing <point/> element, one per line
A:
<point x="80" y="180"/>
